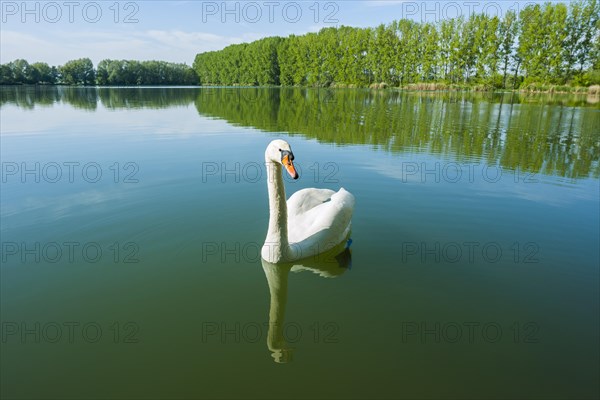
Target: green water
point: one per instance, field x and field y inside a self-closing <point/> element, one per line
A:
<point x="131" y="223"/>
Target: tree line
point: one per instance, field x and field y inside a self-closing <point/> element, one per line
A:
<point x="109" y="72"/>
<point x="550" y="44"/>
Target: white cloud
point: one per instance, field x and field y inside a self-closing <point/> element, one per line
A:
<point x="167" y="45"/>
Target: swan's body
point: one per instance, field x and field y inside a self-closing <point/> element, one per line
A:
<point x="312" y="221"/>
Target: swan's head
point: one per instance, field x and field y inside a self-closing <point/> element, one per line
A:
<point x="279" y="151"/>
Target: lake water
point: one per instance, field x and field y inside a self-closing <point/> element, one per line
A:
<point x="132" y="221"/>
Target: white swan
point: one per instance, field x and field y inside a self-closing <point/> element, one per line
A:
<point x="311" y="222"/>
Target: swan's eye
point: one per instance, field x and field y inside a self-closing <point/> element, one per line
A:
<point x="286" y="156"/>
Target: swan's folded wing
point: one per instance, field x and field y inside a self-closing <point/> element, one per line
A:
<point x="324" y="224"/>
<point x="305" y="199"/>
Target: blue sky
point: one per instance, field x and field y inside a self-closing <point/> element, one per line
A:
<point x="61" y="30"/>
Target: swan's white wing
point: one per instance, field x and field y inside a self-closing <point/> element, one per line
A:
<point x="305" y="199"/>
<point x="319" y="219"/>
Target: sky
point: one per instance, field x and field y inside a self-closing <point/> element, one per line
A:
<point x="62" y="30"/>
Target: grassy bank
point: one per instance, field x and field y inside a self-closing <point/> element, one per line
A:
<point x="531" y="88"/>
<point x="593" y="90"/>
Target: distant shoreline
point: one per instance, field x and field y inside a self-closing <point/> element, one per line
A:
<point x="416" y="88"/>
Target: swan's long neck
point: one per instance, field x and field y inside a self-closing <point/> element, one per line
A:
<point x="277" y="235"/>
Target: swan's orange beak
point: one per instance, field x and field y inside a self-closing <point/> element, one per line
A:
<point x="289" y="166"/>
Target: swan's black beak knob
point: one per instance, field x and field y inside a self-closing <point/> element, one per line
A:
<point x="287" y="158"/>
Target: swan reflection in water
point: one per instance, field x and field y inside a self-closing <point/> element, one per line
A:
<point x="330" y="264"/>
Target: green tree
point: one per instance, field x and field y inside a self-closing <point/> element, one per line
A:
<point x="22" y="72"/>
<point x="543" y="31"/>
<point x="507" y="32"/>
<point x="6" y="75"/>
<point x="429" y="40"/>
<point x="78" y="72"/>
<point x="44" y="73"/>
<point x="581" y="30"/>
<point x="408" y="54"/>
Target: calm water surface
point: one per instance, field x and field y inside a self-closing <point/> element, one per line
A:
<point x="132" y="221"/>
